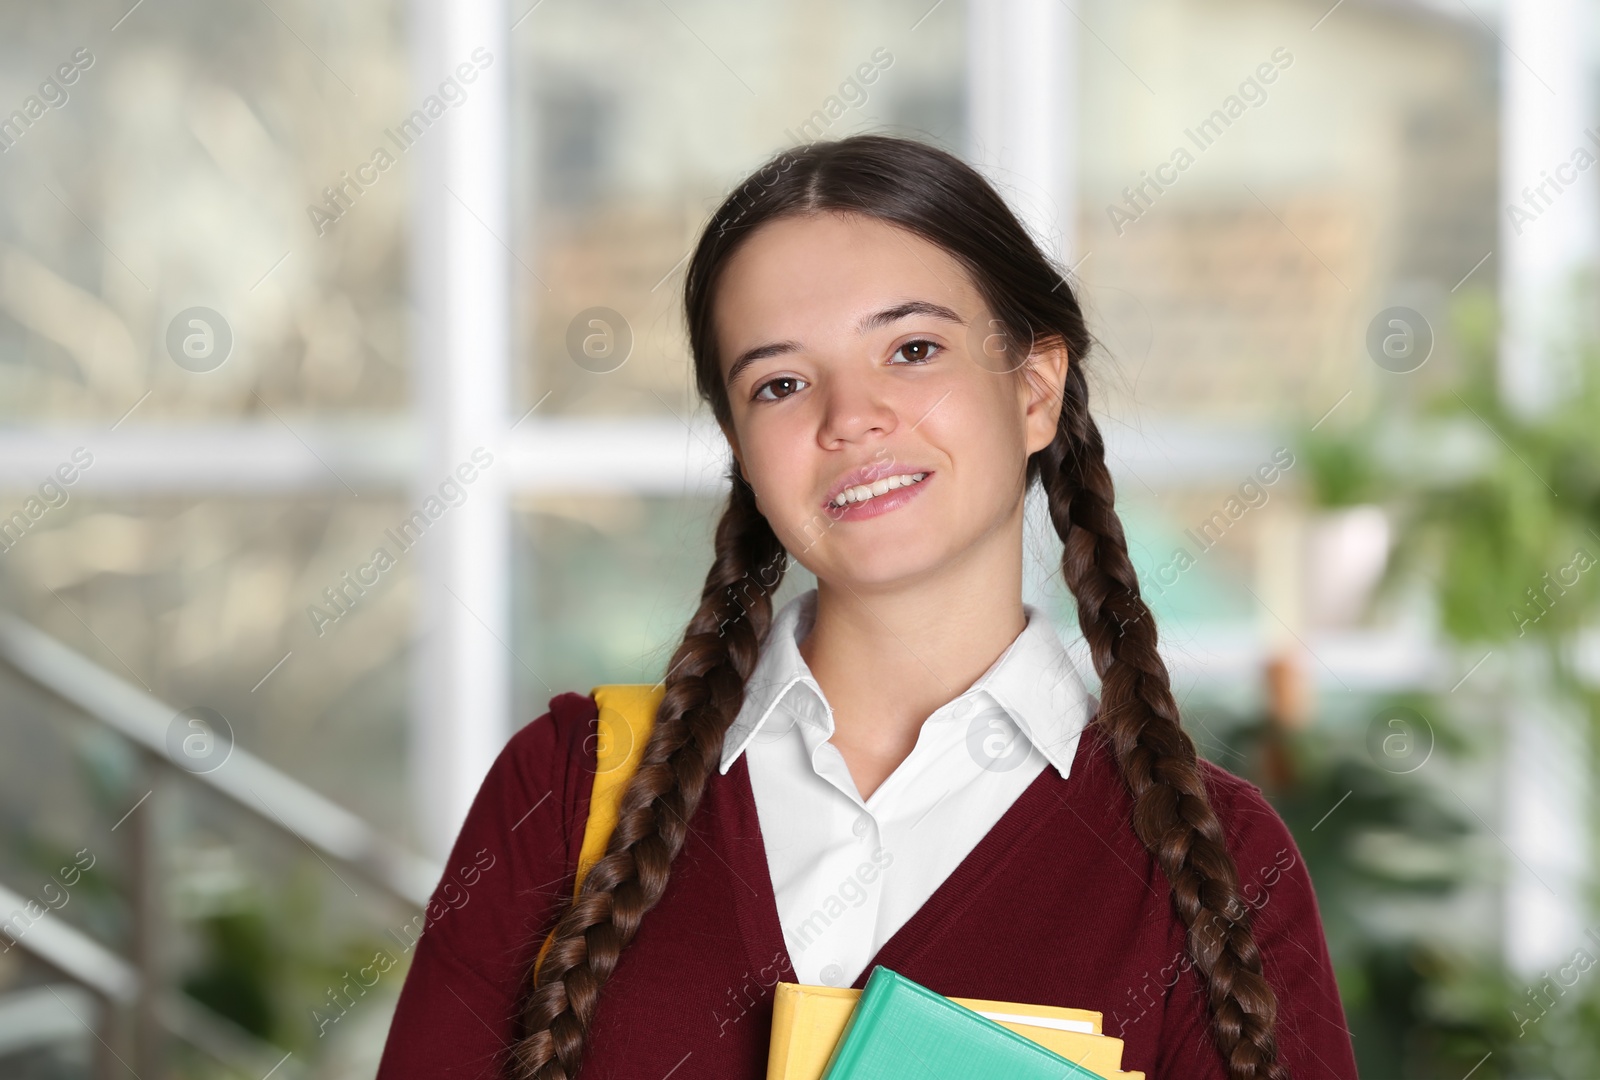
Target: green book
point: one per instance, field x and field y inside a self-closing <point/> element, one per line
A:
<point x="901" y="1030"/>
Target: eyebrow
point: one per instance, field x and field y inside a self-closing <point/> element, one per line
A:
<point x="870" y="322"/>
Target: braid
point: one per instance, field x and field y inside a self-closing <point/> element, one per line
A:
<point x="1172" y="814"/>
<point x="704" y="691"/>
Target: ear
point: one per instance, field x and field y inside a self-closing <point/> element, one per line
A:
<point x="1044" y="379"/>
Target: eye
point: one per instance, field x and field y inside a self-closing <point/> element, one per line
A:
<point x="921" y="350"/>
<point x="781" y="387"/>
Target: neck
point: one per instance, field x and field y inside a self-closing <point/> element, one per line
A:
<point x="887" y="657"/>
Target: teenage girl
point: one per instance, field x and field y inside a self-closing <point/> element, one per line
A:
<point x="899" y="767"/>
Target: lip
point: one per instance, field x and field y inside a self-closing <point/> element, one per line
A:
<point x="880" y="504"/>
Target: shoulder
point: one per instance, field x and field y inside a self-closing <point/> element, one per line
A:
<point x="508" y="877"/>
<point x="555" y="752"/>
<point x="548" y="763"/>
<point x="1285" y="919"/>
<point x="1252" y="824"/>
<point x="1276" y="889"/>
<point x="529" y="811"/>
<point x="1271" y="871"/>
<point x="561" y="733"/>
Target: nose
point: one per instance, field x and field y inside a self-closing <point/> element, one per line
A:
<point x="855" y="407"/>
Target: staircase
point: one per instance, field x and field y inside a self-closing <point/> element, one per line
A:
<point x="126" y="1003"/>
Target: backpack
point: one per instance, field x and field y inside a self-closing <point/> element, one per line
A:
<point x="627" y="711"/>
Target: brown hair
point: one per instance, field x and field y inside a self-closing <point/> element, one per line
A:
<point x="937" y="196"/>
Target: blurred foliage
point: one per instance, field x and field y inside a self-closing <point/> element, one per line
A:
<point x="241" y="966"/>
<point x="1499" y="516"/>
<point x="1499" y="512"/>
<point x="264" y="951"/>
<point x="1341" y="465"/>
<point x="259" y="969"/>
<point x="1513" y="542"/>
<point x="1394" y="857"/>
<point x="270" y="960"/>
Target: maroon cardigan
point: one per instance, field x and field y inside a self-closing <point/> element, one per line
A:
<point x="1058" y="904"/>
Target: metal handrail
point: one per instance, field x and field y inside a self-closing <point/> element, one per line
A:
<point x="266" y="792"/>
<point x="112" y="979"/>
<point x="73" y="953"/>
<point x="323" y="826"/>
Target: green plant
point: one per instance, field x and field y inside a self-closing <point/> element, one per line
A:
<point x="1497" y="516"/>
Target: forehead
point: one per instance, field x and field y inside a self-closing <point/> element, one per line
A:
<point x="811" y="278"/>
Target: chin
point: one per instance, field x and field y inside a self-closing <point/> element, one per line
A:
<point x="879" y="562"/>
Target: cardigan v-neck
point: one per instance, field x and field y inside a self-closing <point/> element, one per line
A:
<point x="849" y="871"/>
<point x="740" y="839"/>
<point x="1058" y="904"/>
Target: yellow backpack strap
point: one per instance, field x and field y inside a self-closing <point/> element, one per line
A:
<point x="627" y="711"/>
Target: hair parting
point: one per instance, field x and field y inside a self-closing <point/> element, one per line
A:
<point x="942" y="199"/>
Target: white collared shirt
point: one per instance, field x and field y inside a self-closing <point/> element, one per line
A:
<point x="848" y="873"/>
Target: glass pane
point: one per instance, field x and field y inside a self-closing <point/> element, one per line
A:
<point x="1247" y="208"/>
<point x="604" y="586"/>
<point x="632" y="119"/>
<point x="226" y="605"/>
<point x="167" y="222"/>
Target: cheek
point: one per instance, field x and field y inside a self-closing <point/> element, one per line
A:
<point x="780" y="461"/>
<point x="983" y="434"/>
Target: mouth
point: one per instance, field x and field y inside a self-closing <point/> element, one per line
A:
<point x="867" y="492"/>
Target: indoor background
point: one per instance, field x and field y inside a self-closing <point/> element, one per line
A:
<point x="287" y="285"/>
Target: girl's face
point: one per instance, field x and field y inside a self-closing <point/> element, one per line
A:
<point x="882" y="441"/>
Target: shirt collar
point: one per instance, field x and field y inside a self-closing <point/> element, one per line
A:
<point x="1034" y="681"/>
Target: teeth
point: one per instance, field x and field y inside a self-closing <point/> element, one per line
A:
<point x="863" y="492"/>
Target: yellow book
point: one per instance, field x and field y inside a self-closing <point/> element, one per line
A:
<point x="807" y="1022"/>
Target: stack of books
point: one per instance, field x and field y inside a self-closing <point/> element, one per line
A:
<point x="896" y="1029"/>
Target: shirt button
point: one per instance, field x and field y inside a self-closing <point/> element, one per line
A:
<point x="833" y="975"/>
<point x="862" y="826"/>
